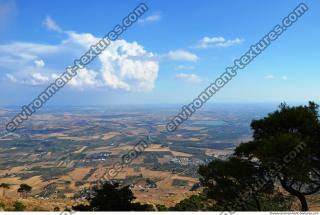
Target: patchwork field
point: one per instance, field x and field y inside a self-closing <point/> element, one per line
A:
<point x="61" y="153"/>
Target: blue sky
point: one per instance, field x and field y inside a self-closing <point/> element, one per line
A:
<point x="40" y="38"/>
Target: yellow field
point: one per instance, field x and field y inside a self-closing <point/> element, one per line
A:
<point x="110" y="135"/>
<point x="156" y="148"/>
<point x="18" y="169"/>
<point x="165" y="193"/>
<point x="181" y="154"/>
<point x="35" y="182"/>
<point x="81" y="150"/>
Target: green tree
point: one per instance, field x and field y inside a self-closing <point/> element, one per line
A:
<point x="232" y="184"/>
<point x="18" y="206"/>
<point x="286" y="144"/>
<point x="112" y="197"/>
<point x="161" y="207"/>
<point x="193" y="203"/>
<point x="2" y="205"/>
<point x="4" y="187"/>
<point x="56" y="208"/>
<point x="24" y="189"/>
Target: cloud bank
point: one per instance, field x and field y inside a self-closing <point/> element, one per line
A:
<point x="123" y="65"/>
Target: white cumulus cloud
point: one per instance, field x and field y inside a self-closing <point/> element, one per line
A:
<point x="181" y="55"/>
<point x="190" y="78"/>
<point x="150" y="19"/>
<point x="210" y="42"/>
<point x="123" y="65"/>
<point x="39" y="63"/>
<point x="38" y="78"/>
<point x="184" y="67"/>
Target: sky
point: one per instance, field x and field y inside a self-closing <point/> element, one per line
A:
<point x="173" y="60"/>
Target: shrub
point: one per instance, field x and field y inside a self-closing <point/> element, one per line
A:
<point x="18" y="206"/>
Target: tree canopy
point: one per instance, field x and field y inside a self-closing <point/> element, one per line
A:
<point x="284" y="150"/>
<point x="24" y="189"/>
<point x="112" y="197"/>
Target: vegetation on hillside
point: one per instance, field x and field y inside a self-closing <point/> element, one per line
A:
<point x="112" y="197"/>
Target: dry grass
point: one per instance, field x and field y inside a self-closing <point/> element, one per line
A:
<point x="80" y="150"/>
<point x="110" y="135"/>
<point x="181" y="154"/>
<point x="165" y="193"/>
<point x="33" y="204"/>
